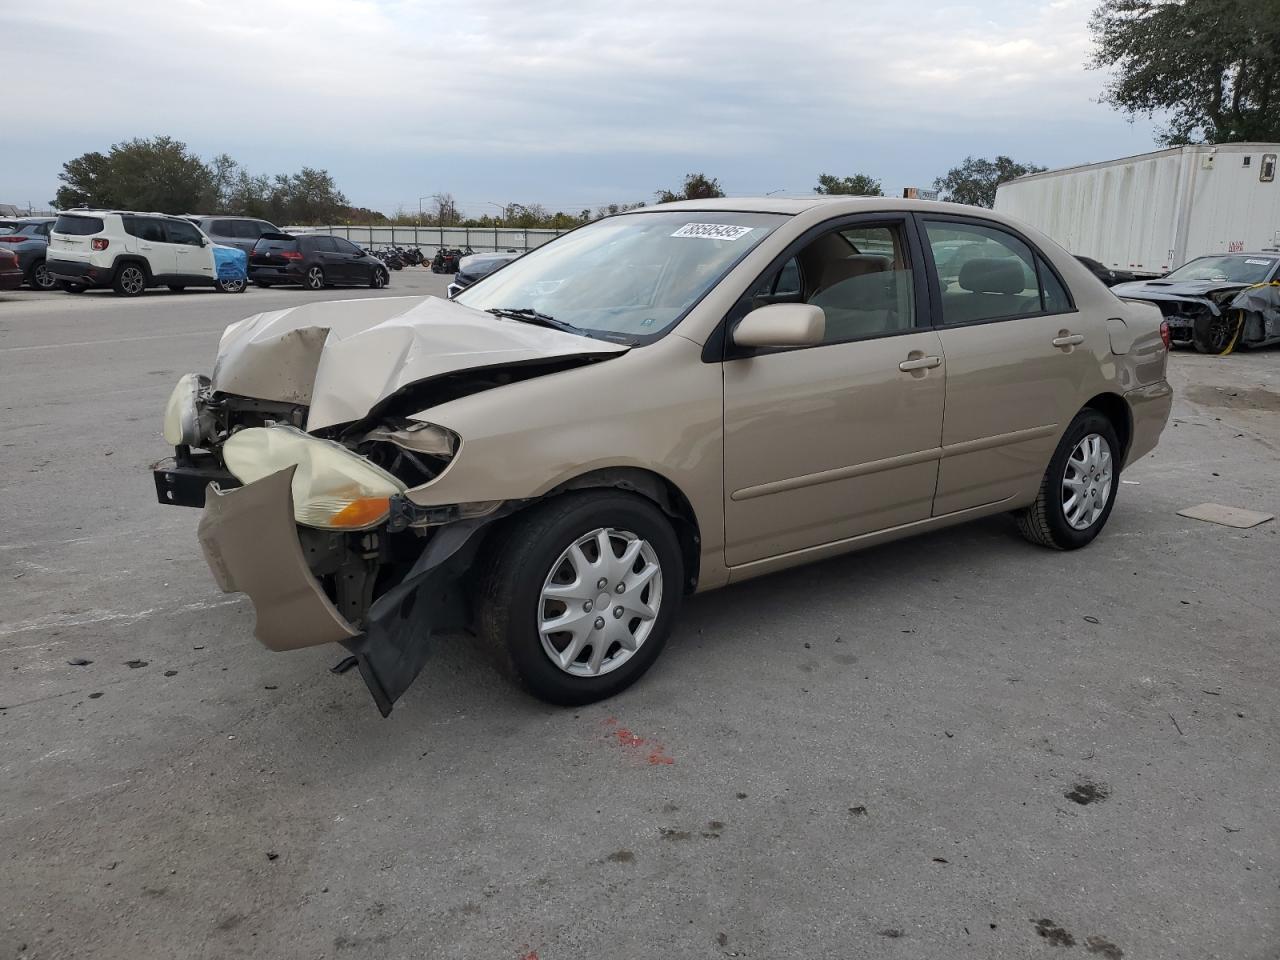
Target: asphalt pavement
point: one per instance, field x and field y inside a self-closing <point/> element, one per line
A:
<point x="954" y="746"/>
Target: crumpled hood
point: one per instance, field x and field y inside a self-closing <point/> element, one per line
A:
<point x="343" y="357"/>
<point x="1173" y="288"/>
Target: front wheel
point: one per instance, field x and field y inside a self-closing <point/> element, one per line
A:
<point x="1216" y="335"/>
<point x="378" y="278"/>
<point x="581" y="594"/>
<point x="314" y="279"/>
<point x="232" y="285"/>
<point x="41" y="278"/>
<point x="1079" y="487"/>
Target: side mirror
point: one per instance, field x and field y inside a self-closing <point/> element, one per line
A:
<point x="781" y="325"/>
<point x="204" y="241"/>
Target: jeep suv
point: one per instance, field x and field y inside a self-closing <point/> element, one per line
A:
<point x="128" y="252"/>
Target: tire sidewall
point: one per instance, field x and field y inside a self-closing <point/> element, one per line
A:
<point x="1085" y="423"/>
<point x="119" y="286"/>
<point x="523" y="642"/>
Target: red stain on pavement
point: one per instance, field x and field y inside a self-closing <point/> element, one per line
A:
<point x="628" y="739"/>
<point x="531" y="955"/>
<point x="655" y="753"/>
<point x="659" y="756"/>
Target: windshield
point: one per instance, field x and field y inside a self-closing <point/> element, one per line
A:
<point x="628" y="278"/>
<point x="1242" y="269"/>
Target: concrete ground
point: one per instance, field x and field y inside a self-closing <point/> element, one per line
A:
<point x="955" y="746"/>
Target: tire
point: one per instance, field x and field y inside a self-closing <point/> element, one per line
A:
<point x="534" y="555"/>
<point x="1215" y="335"/>
<point x="176" y="287"/>
<point x="39" y="277"/>
<point x="131" y="280"/>
<point x="66" y="286"/>
<point x="377" y="278"/>
<point x="1048" y="521"/>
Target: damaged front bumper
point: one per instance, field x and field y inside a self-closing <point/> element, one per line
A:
<point x="252" y="545"/>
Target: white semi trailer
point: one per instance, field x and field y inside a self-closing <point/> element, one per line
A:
<point x="1152" y="213"/>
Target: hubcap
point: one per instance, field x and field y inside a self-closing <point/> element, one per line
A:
<point x="599" y="602"/>
<point x="132" y="280"/>
<point x="1086" y="483"/>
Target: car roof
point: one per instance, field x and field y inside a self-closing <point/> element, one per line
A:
<point x="835" y="205"/>
<point x="92" y="212"/>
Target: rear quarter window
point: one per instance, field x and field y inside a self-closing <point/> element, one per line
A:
<point x="78" y="226"/>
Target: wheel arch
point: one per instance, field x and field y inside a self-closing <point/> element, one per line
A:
<point x="663" y="493"/>
<point x="1116" y="409"/>
<point x="135" y="258"/>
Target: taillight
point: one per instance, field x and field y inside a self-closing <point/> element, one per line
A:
<point x="1164" y="335"/>
<point x="290" y="255"/>
<point x="101" y="243"/>
<point x="14" y="238"/>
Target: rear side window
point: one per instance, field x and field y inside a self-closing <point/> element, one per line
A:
<point x="77" y="226"/>
<point x="223" y="228"/>
<point x="144" y="228"/>
<point x="321" y="244"/>
<point x="985" y="273"/>
<point x="245" y="230"/>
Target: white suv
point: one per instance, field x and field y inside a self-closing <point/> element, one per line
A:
<point x="128" y="252"/>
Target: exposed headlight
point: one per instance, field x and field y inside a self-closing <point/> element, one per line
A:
<point x="333" y="488"/>
<point x="182" y="413"/>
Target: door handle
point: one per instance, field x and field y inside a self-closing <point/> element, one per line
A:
<point x="1069" y="340"/>
<point x="920" y="363"/>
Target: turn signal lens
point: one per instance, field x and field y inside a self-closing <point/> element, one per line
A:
<point x="1164" y="335"/>
<point x="361" y="513"/>
<point x="333" y="488"/>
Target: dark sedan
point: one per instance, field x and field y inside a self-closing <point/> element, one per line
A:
<point x="1106" y="274"/>
<point x="314" y="260"/>
<point x="29" y="239"/>
<point x="10" y="272"/>
<point x="478" y="265"/>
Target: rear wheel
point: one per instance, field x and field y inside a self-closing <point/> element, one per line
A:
<point x="314" y="279"/>
<point x="131" y="280"/>
<point x="40" y="278"/>
<point x="1079" y="487"/>
<point x="581" y="594"/>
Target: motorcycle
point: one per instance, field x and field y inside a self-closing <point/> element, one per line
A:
<point x="447" y="259"/>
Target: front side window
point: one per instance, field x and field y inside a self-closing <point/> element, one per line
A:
<point x="345" y="246"/>
<point x="179" y="231"/>
<point x="985" y="273"/>
<point x="629" y="278"/>
<point x="1231" y="269"/>
<point x="860" y="276"/>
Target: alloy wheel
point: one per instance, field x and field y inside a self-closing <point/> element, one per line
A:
<point x="315" y="278"/>
<point x="1086" y="482"/>
<point x="41" y="278"/>
<point x="599" y="602"/>
<point x="132" y="280"/>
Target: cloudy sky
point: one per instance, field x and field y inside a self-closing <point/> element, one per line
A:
<point x="568" y="103"/>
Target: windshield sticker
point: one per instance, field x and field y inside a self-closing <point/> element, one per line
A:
<point x="713" y="231"/>
<point x="1260" y="263"/>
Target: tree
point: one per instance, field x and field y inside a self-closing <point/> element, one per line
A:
<point x="974" y="181"/>
<point x="158" y="174"/>
<point x="697" y="186"/>
<point x="446" y="210"/>
<point x="1212" y="65"/>
<point x="859" y="185"/>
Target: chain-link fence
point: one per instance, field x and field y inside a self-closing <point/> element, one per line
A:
<point x="431" y="239"/>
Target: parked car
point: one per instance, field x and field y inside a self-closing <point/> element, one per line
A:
<point x="478" y="265"/>
<point x="658" y="403"/>
<point x="10" y="272"/>
<point x="128" y="252"/>
<point x="1106" y="274"/>
<point x="1217" y="302"/>
<point x="241" y="232"/>
<point x="29" y="239"/>
<point x="314" y="260"/>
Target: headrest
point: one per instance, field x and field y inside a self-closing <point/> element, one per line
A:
<point x="858" y="265"/>
<point x="1003" y="275"/>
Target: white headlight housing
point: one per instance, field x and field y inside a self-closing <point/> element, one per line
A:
<point x="182" y="412"/>
<point x="333" y="488"/>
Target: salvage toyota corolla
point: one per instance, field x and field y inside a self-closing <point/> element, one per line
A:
<point x="658" y="403"/>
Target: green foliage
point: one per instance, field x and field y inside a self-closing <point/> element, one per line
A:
<point x="697" y="186"/>
<point x="974" y="182"/>
<point x="1213" y="66"/>
<point x="859" y="185"/>
<point x="162" y="175"/>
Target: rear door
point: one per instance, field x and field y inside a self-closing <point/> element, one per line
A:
<point x="193" y="255"/>
<point x="153" y="244"/>
<point x="1019" y="356"/>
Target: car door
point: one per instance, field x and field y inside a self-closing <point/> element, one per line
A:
<point x="1019" y="359"/>
<point x="245" y="234"/>
<point x="337" y="268"/>
<point x="193" y="253"/>
<point x="353" y="259"/>
<point x="824" y="443"/>
<point x="161" y="257"/>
